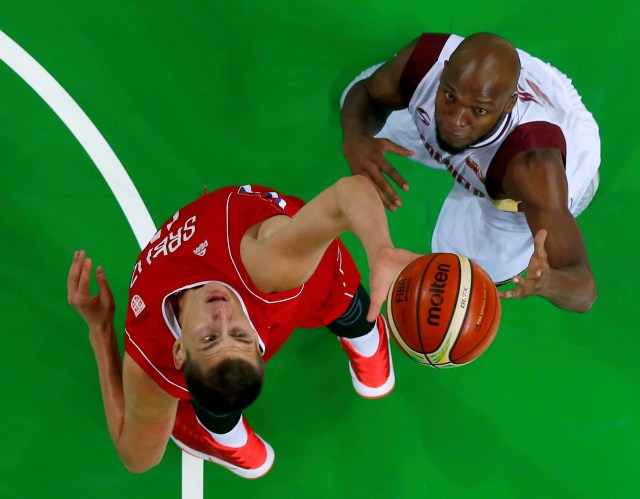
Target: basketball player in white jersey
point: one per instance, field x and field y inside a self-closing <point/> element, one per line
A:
<point x="514" y="134"/>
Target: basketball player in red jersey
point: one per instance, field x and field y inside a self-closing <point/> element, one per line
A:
<point x="215" y="294"/>
<point x="514" y="134"/>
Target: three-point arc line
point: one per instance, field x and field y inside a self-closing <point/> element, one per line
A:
<point x="112" y="171"/>
<point x="85" y="132"/>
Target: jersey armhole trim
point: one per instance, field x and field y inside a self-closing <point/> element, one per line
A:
<point x="422" y="59"/>
<point x="137" y="355"/>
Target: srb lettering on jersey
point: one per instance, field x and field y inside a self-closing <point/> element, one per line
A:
<point x="167" y="244"/>
<point x="271" y="196"/>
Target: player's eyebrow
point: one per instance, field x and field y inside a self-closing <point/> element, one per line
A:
<point x="212" y="344"/>
<point x="480" y="101"/>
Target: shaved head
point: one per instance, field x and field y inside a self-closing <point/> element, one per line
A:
<point x="477" y="90"/>
<point x="488" y="60"/>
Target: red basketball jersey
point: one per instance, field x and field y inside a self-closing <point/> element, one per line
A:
<point x="201" y="243"/>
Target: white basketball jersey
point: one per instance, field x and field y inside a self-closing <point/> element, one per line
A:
<point x="548" y="113"/>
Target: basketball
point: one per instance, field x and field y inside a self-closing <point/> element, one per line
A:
<point x="443" y="310"/>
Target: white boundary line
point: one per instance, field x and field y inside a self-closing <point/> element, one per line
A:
<point x="192" y="477"/>
<point x="87" y="134"/>
<point x="114" y="174"/>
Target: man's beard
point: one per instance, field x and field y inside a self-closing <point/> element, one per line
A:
<point x="453" y="150"/>
<point x="445" y="146"/>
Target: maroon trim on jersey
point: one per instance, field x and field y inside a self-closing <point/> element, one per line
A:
<point x="424" y="56"/>
<point x="534" y="135"/>
<point x="503" y="128"/>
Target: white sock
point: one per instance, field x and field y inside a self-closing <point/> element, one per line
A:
<point x="366" y="345"/>
<point x="234" y="438"/>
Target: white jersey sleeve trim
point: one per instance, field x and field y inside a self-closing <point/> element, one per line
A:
<point x="238" y="271"/>
<point x="151" y="364"/>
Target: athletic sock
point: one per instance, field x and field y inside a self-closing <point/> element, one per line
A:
<point x="237" y="437"/>
<point x="367" y="344"/>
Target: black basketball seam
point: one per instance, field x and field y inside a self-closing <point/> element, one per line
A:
<point x="419" y="309"/>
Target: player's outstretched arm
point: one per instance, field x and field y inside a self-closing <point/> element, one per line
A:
<point x="559" y="268"/>
<point x="139" y="414"/>
<point x="364" y="112"/>
<point x="287" y="251"/>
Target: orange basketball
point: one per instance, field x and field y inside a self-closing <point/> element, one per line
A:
<point x="443" y="310"/>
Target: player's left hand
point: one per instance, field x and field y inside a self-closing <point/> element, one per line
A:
<point x="537" y="272"/>
<point x="97" y="311"/>
<point x="383" y="269"/>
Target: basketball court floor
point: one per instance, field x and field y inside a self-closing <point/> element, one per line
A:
<point x="194" y="93"/>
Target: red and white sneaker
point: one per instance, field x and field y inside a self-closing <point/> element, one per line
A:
<point x="253" y="460"/>
<point x="373" y="376"/>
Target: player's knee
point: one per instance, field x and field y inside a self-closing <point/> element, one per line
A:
<point x="353" y="322"/>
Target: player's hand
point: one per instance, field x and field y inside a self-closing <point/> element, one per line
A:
<point x="383" y="269"/>
<point x="365" y="156"/>
<point x="537" y="272"/>
<point x="97" y="311"/>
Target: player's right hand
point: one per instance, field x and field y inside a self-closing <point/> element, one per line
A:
<point x="97" y="311"/>
<point x="538" y="272"/>
<point x="384" y="267"/>
<point x="365" y="156"/>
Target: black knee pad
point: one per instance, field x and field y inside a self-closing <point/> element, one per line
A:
<point x="353" y="323"/>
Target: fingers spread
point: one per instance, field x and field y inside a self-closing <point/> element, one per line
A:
<point x="506" y="294"/>
<point x="103" y="284"/>
<point x="72" y="278"/>
<point x="75" y="275"/>
<point x="397" y="178"/>
<point x="389" y="197"/>
<point x="85" y="276"/>
<point x="383" y="198"/>
<point x="538" y="243"/>
<point x="396" y="149"/>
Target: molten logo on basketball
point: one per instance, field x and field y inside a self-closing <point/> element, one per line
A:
<point x="436" y="288"/>
<point x="443" y="310"/>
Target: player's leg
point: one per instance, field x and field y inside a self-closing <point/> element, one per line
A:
<point x="367" y="346"/>
<point x="227" y="440"/>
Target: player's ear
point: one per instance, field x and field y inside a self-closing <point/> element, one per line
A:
<point x="446" y="63"/>
<point x="179" y="354"/>
<point x="510" y="103"/>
